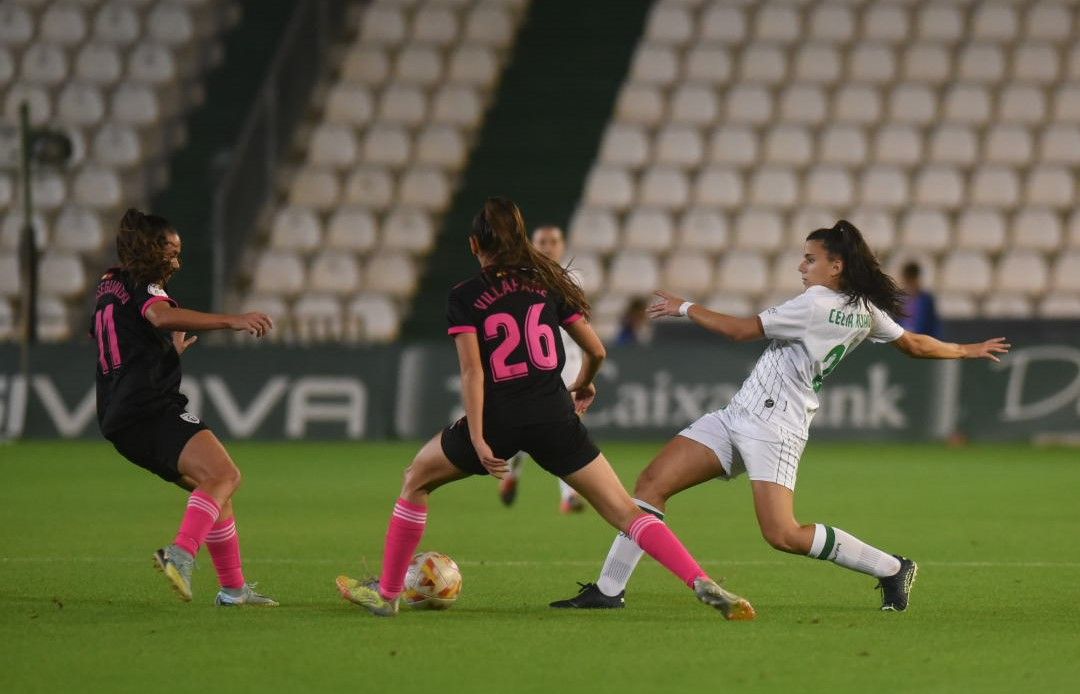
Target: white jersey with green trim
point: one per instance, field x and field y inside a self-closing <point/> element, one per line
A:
<point x="809" y="336"/>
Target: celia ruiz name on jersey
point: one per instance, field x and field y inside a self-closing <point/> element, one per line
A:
<point x="849" y="320"/>
<point x="508" y="286"/>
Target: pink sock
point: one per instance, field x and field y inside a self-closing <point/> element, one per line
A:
<point x="650" y="533"/>
<point x="224" y="546"/>
<point x="402" y="539"/>
<point x="199" y="517"/>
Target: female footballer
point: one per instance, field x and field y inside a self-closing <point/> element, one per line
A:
<point x="505" y="324"/>
<point x="141" y="333"/>
<point x="764" y="428"/>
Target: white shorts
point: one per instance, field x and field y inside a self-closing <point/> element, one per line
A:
<point x="743" y="443"/>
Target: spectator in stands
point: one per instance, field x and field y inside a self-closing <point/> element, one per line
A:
<point x="920" y="311"/>
<point x="634" y="326"/>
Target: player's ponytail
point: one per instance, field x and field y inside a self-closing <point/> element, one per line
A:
<point x="862" y="276"/>
<point x="141" y="246"/>
<point x="499" y="230"/>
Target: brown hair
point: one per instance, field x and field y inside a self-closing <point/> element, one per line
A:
<point x="499" y="230"/>
<point x="140" y="245"/>
<point x="862" y="277"/>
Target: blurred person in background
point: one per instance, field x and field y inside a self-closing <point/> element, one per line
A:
<point x="920" y="310"/>
<point x="550" y="241"/>
<point x="634" y="328"/>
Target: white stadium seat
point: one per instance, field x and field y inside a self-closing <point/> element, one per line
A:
<point x="97" y="187"/>
<point x="925" y="231"/>
<point x="655" y="65"/>
<point x="762" y="64"/>
<point x="831" y="23"/>
<point x="981" y="230"/>
<point x="1021" y="103"/>
<point x="367" y="65"/>
<point x="352" y="229"/>
<point x="489" y="25"/>
<point x="679" y="145"/>
<point x="829" y="186"/>
<point x="609" y="187"/>
<point x="708" y="64"/>
<point x="383" y="25"/>
<point x="731" y="304"/>
<point x="788" y="144"/>
<point x="456" y="104"/>
<point x="152" y="63"/>
<point x="435" y="24"/>
<point x="723" y="24"/>
<point x="664" y="187"/>
<point x="885" y="22"/>
<point x="117" y="145"/>
<point x="10" y="276"/>
<point x="372" y="317"/>
<point x="441" y="145"/>
<point x="1007" y="306"/>
<point x="1060" y="306"/>
<point x="295" y="229"/>
<point x="408" y="229"/>
<point x="929" y="64"/>
<point x="626" y="146"/>
<point x="1050" y="186"/>
<point x="633" y="272"/>
<point x="333" y="146"/>
<point x="315" y="188"/>
<point x="803" y="104"/>
<point x="98" y="63"/>
<point x="843" y="144"/>
<point x="966" y="272"/>
<point x="52" y="319"/>
<point x="994" y="22"/>
<point x="170" y="23"/>
<point x="334" y="272"/>
<point x="758" y="230"/>
<point x="640" y="104"/>
<point x="954" y="144"/>
<point x="914" y="104"/>
<point x="1008" y="144"/>
<point x="774" y="187"/>
<point x="719" y="186"/>
<point x="593" y="230"/>
<point x="694" y="104"/>
<point x="1022" y="272"/>
<point x="733" y="145"/>
<point x="1065" y="276"/>
<point x="44" y="64"/>
<point x="994" y="186"/>
<point x="872" y="63"/>
<point x="349" y="104"/>
<point x="402" y="104"/>
<point x="966" y="103"/>
<point x="63" y="24"/>
<point x="940" y="23"/>
<point x="7" y="320"/>
<point x="939" y="187"/>
<point x="690" y="274"/>
<point x="16" y="24"/>
<point x="386" y="145"/>
<point x="78" y="230"/>
<point x="475" y="65"/>
<point x="589" y="271"/>
<point x="647" y="229"/>
<point x="981" y="63"/>
<point x="62" y="274"/>
<point x="1047" y="21"/>
<point x="899" y="145"/>
<point x="779" y="23"/>
<point x="877" y="226"/>
<point x="135" y="104"/>
<point x="425" y="188"/>
<point x="859" y="104"/>
<point x="1060" y="144"/>
<point x="371" y="187"/>
<point x="805" y="220"/>
<point x="318" y="318"/>
<point x="80" y="104"/>
<point x="1067" y="104"/>
<point x="785" y="275"/>
<point x="885" y="187"/>
<point x="703" y="229"/>
<point x="1035" y="64"/>
<point x="669" y="25"/>
<point x="748" y="104"/>
<point x="742" y="272"/>
<point x="278" y="272"/>
<point x="956" y="306"/>
<point x="117" y="23"/>
<point x="1037" y="229"/>
<point x="36" y="96"/>
<point x="818" y="63"/>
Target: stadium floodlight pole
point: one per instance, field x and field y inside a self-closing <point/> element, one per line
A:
<point x="37" y="146"/>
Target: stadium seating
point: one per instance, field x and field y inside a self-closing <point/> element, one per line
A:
<point x="949" y="132"/>
<point x="378" y="164"/>
<point x="117" y="76"/>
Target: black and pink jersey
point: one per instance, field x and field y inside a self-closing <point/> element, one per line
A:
<point x="138" y="369"/>
<point x="517" y="325"/>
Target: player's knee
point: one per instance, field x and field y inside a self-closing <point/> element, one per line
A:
<point x="228" y="475"/>
<point x="648" y="487"/>
<point x="782" y="538"/>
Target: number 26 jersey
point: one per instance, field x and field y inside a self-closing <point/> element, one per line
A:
<point x="516" y="323"/>
<point x="809" y="336"/>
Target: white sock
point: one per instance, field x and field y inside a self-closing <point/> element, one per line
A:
<point x="565" y="490"/>
<point x="516" y="463"/>
<point x="623" y="558"/>
<point x="845" y="549"/>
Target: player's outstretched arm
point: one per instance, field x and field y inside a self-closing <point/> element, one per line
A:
<point x="593" y="354"/>
<point x="925" y="347"/>
<point x="167" y="317"/>
<point x="731" y="327"/>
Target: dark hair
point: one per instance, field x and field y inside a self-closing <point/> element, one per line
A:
<point x="861" y="277"/>
<point x="141" y="246"/>
<point x="911" y="270"/>
<point x="499" y="230"/>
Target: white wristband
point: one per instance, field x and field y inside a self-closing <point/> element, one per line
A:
<point x="685" y="307"/>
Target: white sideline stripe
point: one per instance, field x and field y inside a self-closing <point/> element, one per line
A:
<point x="564" y="562"/>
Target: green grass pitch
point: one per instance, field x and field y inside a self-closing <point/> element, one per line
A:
<point x="995" y="529"/>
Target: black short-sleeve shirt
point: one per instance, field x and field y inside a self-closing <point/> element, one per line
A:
<point x="517" y="325"/>
<point x="138" y="369"/>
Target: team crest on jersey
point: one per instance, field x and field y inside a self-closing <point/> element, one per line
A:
<point x="187" y="416"/>
<point x="156" y="290"/>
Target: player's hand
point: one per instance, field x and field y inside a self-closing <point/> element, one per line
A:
<point x="583" y="398"/>
<point x="497" y="467"/>
<point x="987" y="350"/>
<point x="181" y="342"/>
<point x="666" y="304"/>
<point x="254" y="323"/>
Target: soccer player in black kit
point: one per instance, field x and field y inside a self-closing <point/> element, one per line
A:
<point x="505" y="323"/>
<point x="141" y="333"/>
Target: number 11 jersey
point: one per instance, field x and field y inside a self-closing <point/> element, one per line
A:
<point x="516" y="322"/>
<point x="810" y="335"/>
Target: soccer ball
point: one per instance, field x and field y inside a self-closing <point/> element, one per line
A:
<point x="433" y="582"/>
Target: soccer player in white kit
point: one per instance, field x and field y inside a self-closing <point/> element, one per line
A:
<point x="549" y="240"/>
<point x="764" y="428"/>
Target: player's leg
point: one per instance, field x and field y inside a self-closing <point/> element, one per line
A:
<point x="569" y="500"/>
<point x="774" y="505"/>
<point x="681" y="464"/>
<point x="598" y="483"/>
<point x="223" y="543"/>
<point x="429" y="470"/>
<point x="202" y="463"/>
<point x="509" y="483"/>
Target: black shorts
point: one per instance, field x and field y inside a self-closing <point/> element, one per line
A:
<point x="155" y="443"/>
<point x="559" y="447"/>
